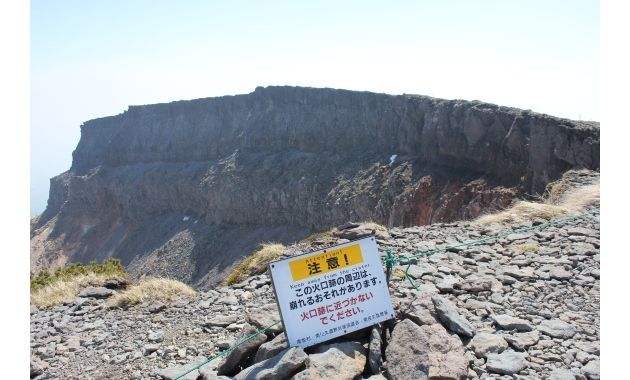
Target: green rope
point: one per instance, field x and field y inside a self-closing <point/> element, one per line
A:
<point x="232" y="348"/>
<point x="390" y="261"/>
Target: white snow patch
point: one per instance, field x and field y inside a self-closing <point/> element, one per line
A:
<point x="186" y="218"/>
<point x="392" y="158"/>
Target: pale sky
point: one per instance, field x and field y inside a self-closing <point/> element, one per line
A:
<point x="94" y="59"/>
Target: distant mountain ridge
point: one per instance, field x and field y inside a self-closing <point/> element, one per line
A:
<point x="187" y="188"/>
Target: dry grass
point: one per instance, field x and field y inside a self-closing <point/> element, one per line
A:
<point x="560" y="202"/>
<point x="255" y="264"/>
<point x="66" y="290"/>
<point x="526" y="247"/>
<point x="154" y="289"/>
<point x="373" y="226"/>
<point x="326" y="235"/>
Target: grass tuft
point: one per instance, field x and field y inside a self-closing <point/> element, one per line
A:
<point x="561" y="201"/>
<point x="66" y="290"/>
<point x="255" y="264"/>
<point x="325" y="235"/>
<point x="112" y="268"/>
<point x="64" y="284"/>
<point x="373" y="226"/>
<point x="154" y="289"/>
<point x="526" y="247"/>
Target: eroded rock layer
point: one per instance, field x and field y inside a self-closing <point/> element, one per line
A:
<point x="187" y="188"/>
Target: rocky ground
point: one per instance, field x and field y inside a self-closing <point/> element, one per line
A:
<point x="522" y="307"/>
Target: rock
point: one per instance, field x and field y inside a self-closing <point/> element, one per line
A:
<point x="485" y="343"/>
<point x="208" y="371"/>
<point x="348" y="225"/>
<point x="172" y="373"/>
<point x="507" y="322"/>
<point x="375" y="359"/>
<point x="588" y="347"/>
<point x="559" y="273"/>
<point x="271" y="348"/>
<point x="507" y="362"/>
<point x="354" y="233"/>
<point x="420" y="310"/>
<point x="343" y="361"/>
<point x="239" y="356"/>
<point x="156" y="336"/>
<point x="228" y="300"/>
<point x="580" y="231"/>
<point x="377" y="377"/>
<point x="519" y="273"/>
<point x="156" y="307"/>
<point x="591" y="370"/>
<point x="418" y="270"/>
<point x="561" y="374"/>
<point x="96" y="292"/>
<point x="148" y="349"/>
<point x="37" y="367"/>
<point x="448" y="314"/>
<point x="417" y="352"/>
<point x="515" y="237"/>
<point x="475" y="284"/>
<point x="520" y="341"/>
<point x="222" y="320"/>
<point x="264" y="316"/>
<point x="281" y="366"/>
<point x="556" y="328"/>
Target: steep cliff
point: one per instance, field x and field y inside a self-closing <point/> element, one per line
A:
<point x="187" y="188"/>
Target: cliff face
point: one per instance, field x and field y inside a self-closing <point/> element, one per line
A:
<point x="195" y="185"/>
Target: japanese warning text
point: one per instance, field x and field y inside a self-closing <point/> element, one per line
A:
<point x="332" y="292"/>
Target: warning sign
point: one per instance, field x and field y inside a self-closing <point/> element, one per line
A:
<point x="331" y="292"/>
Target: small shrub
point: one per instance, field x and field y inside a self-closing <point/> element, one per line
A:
<point x="60" y="291"/>
<point x="154" y="289"/>
<point x="255" y="264"/>
<point x="111" y="268"/>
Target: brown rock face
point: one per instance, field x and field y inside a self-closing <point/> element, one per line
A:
<point x="187" y="188"/>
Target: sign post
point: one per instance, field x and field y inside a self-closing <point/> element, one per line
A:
<point x="331" y="292"/>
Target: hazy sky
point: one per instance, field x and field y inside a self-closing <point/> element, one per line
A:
<point x="94" y="58"/>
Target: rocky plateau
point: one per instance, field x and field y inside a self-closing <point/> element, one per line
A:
<point x="522" y="306"/>
<point x="189" y="188"/>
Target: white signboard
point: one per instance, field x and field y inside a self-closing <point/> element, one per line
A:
<point x="331" y="292"/>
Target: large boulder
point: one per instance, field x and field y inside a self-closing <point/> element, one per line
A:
<point x="282" y="366"/>
<point x="271" y="348"/>
<point x="265" y="316"/>
<point x="423" y="352"/>
<point x="340" y="361"/>
<point x="449" y="315"/>
<point x="241" y="354"/>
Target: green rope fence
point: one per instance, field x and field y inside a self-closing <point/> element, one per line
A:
<point x="232" y="348"/>
<point x="390" y="261"/>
